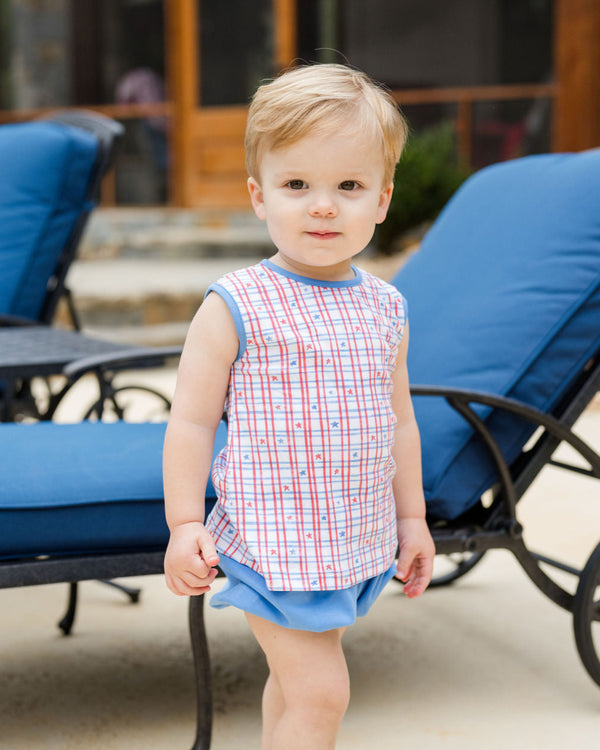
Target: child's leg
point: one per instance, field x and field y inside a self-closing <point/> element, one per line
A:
<point x="308" y="689"/>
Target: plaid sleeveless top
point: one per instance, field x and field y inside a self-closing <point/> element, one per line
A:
<point x="304" y="483"/>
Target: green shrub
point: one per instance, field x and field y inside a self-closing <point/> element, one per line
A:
<point x="426" y="178"/>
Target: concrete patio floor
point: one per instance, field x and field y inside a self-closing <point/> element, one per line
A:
<point x="486" y="663"/>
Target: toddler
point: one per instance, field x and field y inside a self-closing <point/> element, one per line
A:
<point x="320" y="480"/>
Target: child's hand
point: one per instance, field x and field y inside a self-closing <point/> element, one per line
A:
<point x="190" y="560"/>
<point x="417" y="550"/>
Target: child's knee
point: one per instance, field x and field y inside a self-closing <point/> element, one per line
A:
<point x="328" y="695"/>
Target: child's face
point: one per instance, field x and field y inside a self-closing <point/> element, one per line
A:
<point x="321" y="198"/>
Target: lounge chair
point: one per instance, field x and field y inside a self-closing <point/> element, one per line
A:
<point x="504" y="309"/>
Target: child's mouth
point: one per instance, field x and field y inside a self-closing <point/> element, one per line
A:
<point x="324" y="235"/>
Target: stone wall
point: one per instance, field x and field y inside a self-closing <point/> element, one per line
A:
<point x="38" y="57"/>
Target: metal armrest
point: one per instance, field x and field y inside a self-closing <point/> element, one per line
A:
<point x="122" y="360"/>
<point x="461" y="398"/>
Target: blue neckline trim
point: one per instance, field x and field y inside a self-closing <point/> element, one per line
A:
<point x="314" y="282"/>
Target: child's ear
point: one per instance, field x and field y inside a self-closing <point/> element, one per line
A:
<point x="257" y="198"/>
<point x="384" y="202"/>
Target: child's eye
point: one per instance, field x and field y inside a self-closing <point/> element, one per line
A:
<point x="349" y="185"/>
<point x="296" y="184"/>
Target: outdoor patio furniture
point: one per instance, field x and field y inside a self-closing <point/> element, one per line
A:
<point x="50" y="180"/>
<point x="504" y="309"/>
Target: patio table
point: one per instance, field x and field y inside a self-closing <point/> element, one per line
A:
<point x="27" y="352"/>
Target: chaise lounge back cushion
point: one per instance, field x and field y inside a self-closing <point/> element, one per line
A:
<point x="81" y="488"/>
<point x="504" y="297"/>
<point x="45" y="174"/>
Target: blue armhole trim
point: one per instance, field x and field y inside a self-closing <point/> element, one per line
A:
<point x="405" y="305"/>
<point x="235" y="314"/>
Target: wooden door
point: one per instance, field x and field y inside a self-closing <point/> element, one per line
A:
<point x="218" y="51"/>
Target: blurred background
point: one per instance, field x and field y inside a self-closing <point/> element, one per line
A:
<point x="479" y="82"/>
<point x="506" y="77"/>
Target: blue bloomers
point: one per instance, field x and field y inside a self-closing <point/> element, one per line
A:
<point x="316" y="611"/>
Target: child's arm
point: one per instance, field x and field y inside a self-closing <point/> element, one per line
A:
<point x="417" y="550"/>
<point x="203" y="377"/>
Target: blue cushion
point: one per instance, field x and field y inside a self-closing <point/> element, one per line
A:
<point x="44" y="180"/>
<point x="504" y="296"/>
<point x="81" y="488"/>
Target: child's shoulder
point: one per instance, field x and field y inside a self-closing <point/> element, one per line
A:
<point x="241" y="274"/>
<point x="382" y="287"/>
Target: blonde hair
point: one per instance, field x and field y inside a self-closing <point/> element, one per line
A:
<point x="319" y="99"/>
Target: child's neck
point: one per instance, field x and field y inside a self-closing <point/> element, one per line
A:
<point x="339" y="272"/>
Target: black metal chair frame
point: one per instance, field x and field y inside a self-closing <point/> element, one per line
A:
<point x="497" y="527"/>
<point x="475" y="532"/>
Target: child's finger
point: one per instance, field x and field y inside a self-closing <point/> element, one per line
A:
<point x="419" y="578"/>
<point x="405" y="562"/>
<point x="208" y="548"/>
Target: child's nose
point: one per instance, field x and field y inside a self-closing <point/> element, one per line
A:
<point x="323" y="205"/>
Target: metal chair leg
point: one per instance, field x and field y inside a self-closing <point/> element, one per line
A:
<point x="586" y="616"/>
<point x="66" y="624"/>
<point x="133" y="594"/>
<point x="202" y="673"/>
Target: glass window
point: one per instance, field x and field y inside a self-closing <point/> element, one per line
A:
<point x="65" y="53"/>
<point x="425" y="44"/>
<point x="141" y="165"/>
<point x="112" y="38"/>
<point x="430" y="44"/>
<point x="57" y="53"/>
<point x="236" y="49"/>
<point x="508" y="129"/>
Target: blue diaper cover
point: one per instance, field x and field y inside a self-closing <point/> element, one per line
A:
<point x="316" y="611"/>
